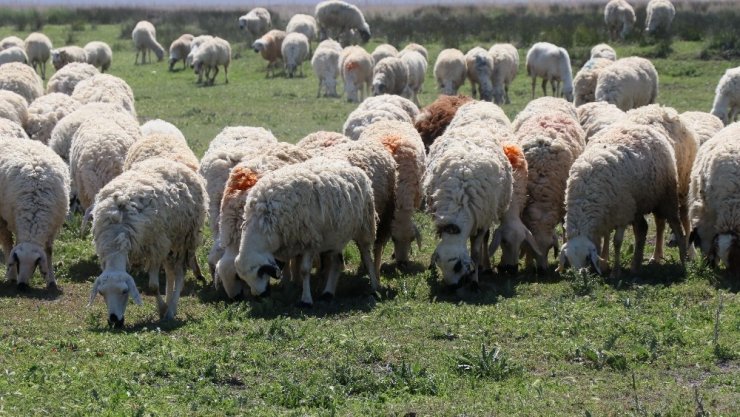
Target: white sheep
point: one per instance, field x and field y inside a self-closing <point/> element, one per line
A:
<point x="21" y="79"/>
<point x="551" y="63"/>
<point x="45" y="112"/>
<point x="11" y="41"/>
<point x="384" y="99"/>
<point x="450" y="71"/>
<point x="270" y="47"/>
<point x="34" y="195"/>
<point x="10" y="129"/>
<point x="335" y="17"/>
<point x="361" y="118"/>
<point x="605" y="51"/>
<point x="13" y="54"/>
<point x="179" y="50"/>
<point x="505" y="66"/>
<point x="325" y="64"/>
<point x="544" y="105"/>
<point x="161" y="145"/>
<point x="159" y="126"/>
<point x="314" y="143"/>
<point x="66" y="79"/>
<point x="194" y="45"/>
<point x="619" y="17"/>
<point x="38" y="48"/>
<point x="484" y="115"/>
<point x="256" y="22"/>
<point x="209" y="56"/>
<point x="13" y="107"/>
<point x="390" y="76"/>
<point x="67" y="54"/>
<point x="726" y="104"/>
<point x="704" y="125"/>
<point x="418" y="48"/>
<point x="148" y="217"/>
<point x="417" y="71"/>
<point x="628" y="83"/>
<point x="106" y="88"/>
<point x="144" y="36"/>
<point x="479" y="65"/>
<point x="660" y="14"/>
<point x="99" y="55"/>
<point x="305" y="24"/>
<point x="584" y="84"/>
<point x="356" y="66"/>
<point x="384" y="50"/>
<point x="596" y="116"/>
<point x="304" y="210"/>
<point x="295" y="50"/>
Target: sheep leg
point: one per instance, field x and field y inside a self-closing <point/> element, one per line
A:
<point x="378" y="254"/>
<point x="332" y="275"/>
<point x="618" y="238"/>
<point x="369" y="265"/>
<point x="605" y="252"/>
<point x="51" y="280"/>
<point x="6" y="239"/>
<point x="226" y="74"/>
<point x="215" y="73"/>
<point x="43" y="70"/>
<point x="534" y="82"/>
<point x="683" y="212"/>
<point x="318" y="92"/>
<point x="659" y="237"/>
<point x="154" y="279"/>
<point x="476" y="242"/>
<point x="506" y="94"/>
<point x="306" y="262"/>
<point x="175" y="280"/>
<point x="472" y="87"/>
<point x="640" y="228"/>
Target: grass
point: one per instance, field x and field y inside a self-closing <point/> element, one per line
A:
<point x="656" y="344"/>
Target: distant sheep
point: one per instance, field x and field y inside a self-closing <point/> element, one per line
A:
<point x="551" y="63"/>
<point x="21" y="79"/>
<point x="105" y="88"/>
<point x="479" y="65"/>
<point x="505" y="66"/>
<point x="212" y="54"/>
<point x="704" y="125"/>
<point x="434" y="118"/>
<point x="660" y="14"/>
<point x="256" y="22"/>
<point x="179" y="50"/>
<point x="418" y="48"/>
<point x="38" y="48"/>
<point x="384" y="50"/>
<point x="727" y="96"/>
<point x="45" y="112"/>
<point x="417" y="69"/>
<point x="335" y="17"/>
<point x="99" y="55"/>
<point x="13" y="54"/>
<point x="628" y="83"/>
<point x="619" y="17"/>
<point x="390" y="76"/>
<point x="450" y="71"/>
<point x="584" y="84"/>
<point x="144" y="36"/>
<point x="325" y="64"/>
<point x="605" y="51"/>
<point x="194" y="45"/>
<point x="356" y="66"/>
<point x="66" y="79"/>
<point x="305" y="24"/>
<point x="65" y="55"/>
<point x="270" y="47"/>
<point x="295" y="50"/>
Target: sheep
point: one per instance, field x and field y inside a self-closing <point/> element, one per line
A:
<point x="13" y="107"/>
<point x="66" y="79"/>
<point x="660" y="14"/>
<point x="316" y="141"/>
<point x="552" y="64"/>
<point x="360" y="119"/>
<point x="21" y="79"/>
<point x="212" y="54"/>
<point x="144" y="36"/>
<point x="106" y="88"/>
<point x="480" y="66"/>
<point x="596" y="116"/>
<point x="726" y="104"/>
<point x="304" y="210"/>
<point x="704" y="125"/>
<point x="38" y="48"/>
<point x="256" y="22"/>
<point x="356" y="66"/>
<point x="628" y="83"/>
<point x="485" y="115"/>
<point x="713" y="196"/>
<point x="65" y="55"/>
<point x="148" y="217"/>
<point x="418" y="48"/>
<point x="161" y="145"/>
<point x="390" y="76"/>
<point x="619" y="17"/>
<point x="270" y="47"/>
<point x="61" y="136"/>
<point x="417" y="70"/>
<point x="11" y="41"/>
<point x="305" y="24"/>
<point x="229" y="147"/>
<point x="407" y="149"/>
<point x="605" y="51"/>
<point x="99" y="55"/>
<point x="179" y="50"/>
<point x="467" y="185"/>
<point x="384" y="99"/>
<point x="13" y="54"/>
<point x="325" y="63"/>
<point x="159" y="126"/>
<point x="505" y="66"/>
<point x="335" y="17"/>
<point x="544" y="104"/>
<point x="34" y="193"/>
<point x="627" y="171"/>
<point x="384" y="50"/>
<point x="194" y="45"/>
<point x="450" y="71"/>
<point x="10" y="129"/>
<point x="295" y="50"/>
<point x="584" y="84"/>
<point x="45" y="112"/>
<point x="551" y="142"/>
<point x="434" y="118"/>
<point x="231" y="218"/>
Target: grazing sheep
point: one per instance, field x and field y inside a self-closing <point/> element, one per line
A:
<point x="660" y="14"/>
<point x="628" y="83"/>
<point x="106" y="88"/>
<point x="10" y="129"/>
<point x="626" y="172"/>
<point x="418" y="48"/>
<point x="335" y="17"/>
<point x="596" y="116"/>
<point x="305" y="24"/>
<point x="417" y="69"/>
<point x="303" y="210"/>
<point x="21" y="79"/>
<point x="65" y="55"/>
<point x="38" y="48"/>
<point x="270" y="47"/>
<point x="34" y="194"/>
<point x="325" y="64"/>
<point x="480" y="66"/>
<point x="66" y="79"/>
<point x="605" y="51"/>
<point x="179" y="50"/>
<point x="544" y="105"/>
<point x="13" y="107"/>
<point x="551" y="63"/>
<point x="11" y="41"/>
<point x="384" y="50"/>
<point x="316" y="141"/>
<point x="144" y="36"/>
<point x="194" y="45"/>
<point x="704" y="125"/>
<point x="361" y="118"/>
<point x="159" y="126"/>
<point x="45" y="112"/>
<point x="450" y="71"/>
<point x="584" y="84"/>
<point x="434" y="118"/>
<point x="13" y="54"/>
<point x="727" y="96"/>
<point x="256" y="22"/>
<point x="295" y="50"/>
<point x="356" y="66"/>
<point x="619" y="17"/>
<point x="99" y="55"/>
<point x="212" y="54"/>
<point x="390" y="76"/>
<point x="505" y="66"/>
<point x="384" y="99"/>
<point x="484" y="115"/>
<point x="161" y="145"/>
<point x="148" y="217"/>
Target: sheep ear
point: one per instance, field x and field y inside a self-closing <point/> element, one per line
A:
<point x="433" y="260"/>
<point x="133" y="291"/>
<point x="94" y="291"/>
<point x="529" y="238"/>
<point x="271" y="270"/>
<point x="593" y="256"/>
<point x="495" y="242"/>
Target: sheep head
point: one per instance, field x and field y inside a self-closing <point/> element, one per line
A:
<point x="22" y="263"/>
<point x="259" y="45"/>
<point x="579" y="253"/>
<point x="256" y="268"/>
<point x="115" y="287"/>
<point x="452" y="257"/>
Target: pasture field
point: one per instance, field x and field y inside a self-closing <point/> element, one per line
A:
<point x="660" y="343"/>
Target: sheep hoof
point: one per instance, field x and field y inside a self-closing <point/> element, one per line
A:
<point x="52" y="287"/>
<point x="654" y="261"/>
<point x="23" y="287"/>
<point x="303" y="304"/>
<point x="327" y="297"/>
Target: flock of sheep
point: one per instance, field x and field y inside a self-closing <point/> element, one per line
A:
<point x="597" y="162"/>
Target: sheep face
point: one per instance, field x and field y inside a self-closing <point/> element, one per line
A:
<point x="258" y="46"/>
<point x="256" y="269"/>
<point x="727" y="249"/>
<point x="379" y="84"/>
<point x="22" y="263"/>
<point x="452" y="257"/>
<point x="56" y="59"/>
<point x="242" y="23"/>
<point x="568" y="94"/>
<point x="197" y="66"/>
<point x="510" y="236"/>
<point x="115" y="287"/>
<point x="160" y="54"/>
<point x="365" y="35"/>
<point x="579" y="253"/>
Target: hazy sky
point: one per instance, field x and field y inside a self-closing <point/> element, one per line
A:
<point x="251" y="3"/>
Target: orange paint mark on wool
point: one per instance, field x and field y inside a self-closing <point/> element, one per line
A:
<point x="392" y="143"/>
<point x="241" y="179"/>
<point x="516" y="156"/>
<point x="351" y="65"/>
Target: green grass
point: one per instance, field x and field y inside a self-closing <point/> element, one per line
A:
<point x="656" y="344"/>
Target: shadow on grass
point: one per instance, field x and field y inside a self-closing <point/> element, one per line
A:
<point x="83" y="269"/>
<point x="491" y="287"/>
<point x="156" y="325"/>
<point x="10" y="290"/>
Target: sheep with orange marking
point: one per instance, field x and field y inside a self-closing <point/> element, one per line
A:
<point x="316" y="141"/>
<point x="356" y="66"/>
